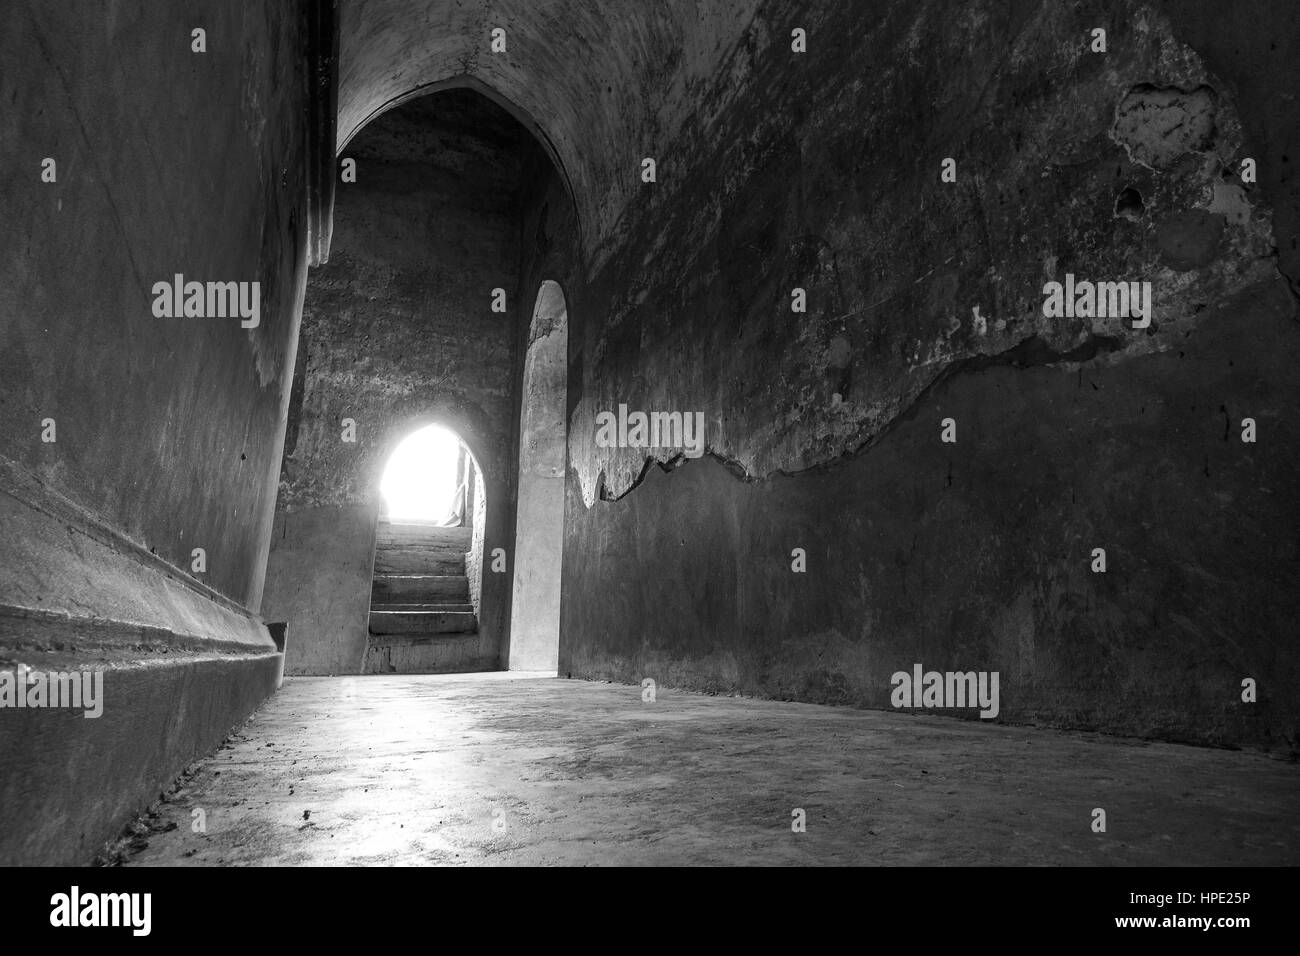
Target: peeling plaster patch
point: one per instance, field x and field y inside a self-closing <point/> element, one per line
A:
<point x="862" y="257"/>
<point x="268" y="359"/>
<point x="838" y="353"/>
<point x="1189" y="240"/>
<point x="1229" y="200"/>
<point x="1158" y="125"/>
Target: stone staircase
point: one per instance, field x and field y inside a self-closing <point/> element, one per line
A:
<point x="421" y="618"/>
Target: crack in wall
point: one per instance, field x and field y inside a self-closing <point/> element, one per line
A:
<point x="1033" y="352"/>
<point x="1157" y="125"/>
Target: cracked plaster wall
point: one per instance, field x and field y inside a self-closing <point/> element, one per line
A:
<point x="925" y="301"/>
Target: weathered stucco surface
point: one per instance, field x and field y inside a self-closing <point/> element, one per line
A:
<point x="925" y="301"/>
<point x="838" y="192"/>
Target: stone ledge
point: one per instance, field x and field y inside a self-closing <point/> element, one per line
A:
<point x="69" y="784"/>
<point x="107" y="585"/>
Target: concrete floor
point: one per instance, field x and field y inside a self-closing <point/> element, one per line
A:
<point x="507" y="769"/>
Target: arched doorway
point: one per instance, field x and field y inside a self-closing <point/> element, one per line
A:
<point x="539" y="523"/>
<point x="424" y="602"/>
<point x="424" y="479"/>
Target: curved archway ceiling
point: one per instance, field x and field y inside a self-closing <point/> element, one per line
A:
<point x="605" y="84"/>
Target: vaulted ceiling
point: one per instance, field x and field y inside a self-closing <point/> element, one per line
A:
<point x="601" y="85"/>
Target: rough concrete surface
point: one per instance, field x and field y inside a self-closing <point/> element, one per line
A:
<point x="824" y="178"/>
<point x="416" y="770"/>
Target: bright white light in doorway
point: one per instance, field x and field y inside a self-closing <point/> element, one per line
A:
<point x="419" y="482"/>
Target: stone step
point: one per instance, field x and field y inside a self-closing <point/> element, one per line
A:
<point x="414" y="654"/>
<point x="439" y="561"/>
<point x="422" y="622"/>
<point x="445" y="608"/>
<point x="457" y="639"/>
<point x="388" y="535"/>
<point x="420" y="589"/>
